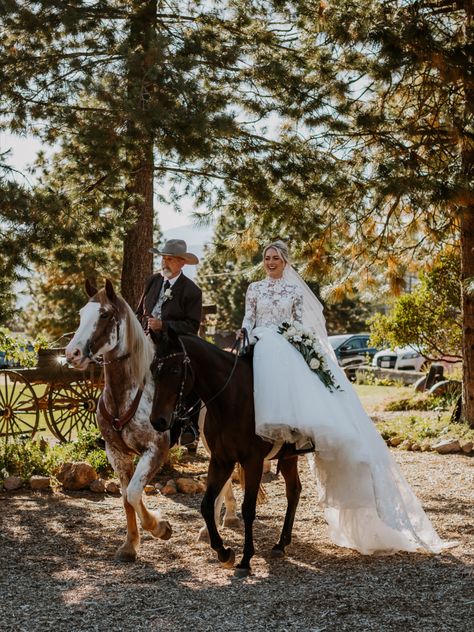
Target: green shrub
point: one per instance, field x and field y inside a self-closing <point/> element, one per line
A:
<point x="24" y="458"/>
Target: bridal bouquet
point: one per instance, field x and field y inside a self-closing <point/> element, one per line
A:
<point x="308" y="345"/>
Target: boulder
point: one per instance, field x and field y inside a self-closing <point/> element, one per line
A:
<point x="170" y="488"/>
<point x="447" y="446"/>
<point x="416" y="447"/>
<point x="112" y="487"/>
<point x="394" y="441"/>
<point x="466" y="446"/>
<point x="406" y="445"/>
<point x="76" y="476"/>
<point x="150" y="489"/>
<point x="12" y="482"/>
<point x="189" y="486"/>
<point x="98" y="486"/>
<point x="40" y="482"/>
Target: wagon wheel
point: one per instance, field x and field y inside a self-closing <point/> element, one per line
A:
<point x="19" y="410"/>
<point x="72" y="407"/>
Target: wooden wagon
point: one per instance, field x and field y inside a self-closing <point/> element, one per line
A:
<point x="64" y="398"/>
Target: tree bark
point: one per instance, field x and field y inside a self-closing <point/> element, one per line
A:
<point x="467" y="279"/>
<point x="137" y="259"/>
<point x="137" y="262"/>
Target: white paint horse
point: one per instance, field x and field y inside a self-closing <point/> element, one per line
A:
<point x="109" y="328"/>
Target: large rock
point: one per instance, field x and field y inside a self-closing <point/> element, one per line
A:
<point x="466" y="446"/>
<point x="11" y="483"/>
<point x="40" y="482"/>
<point x="170" y="488"/>
<point x="394" y="441"/>
<point x="76" y="476"/>
<point x="447" y="446"/>
<point x="189" y="486"/>
<point x="97" y="486"/>
<point x="112" y="487"/>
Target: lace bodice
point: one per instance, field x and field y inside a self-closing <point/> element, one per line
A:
<point x="270" y="302"/>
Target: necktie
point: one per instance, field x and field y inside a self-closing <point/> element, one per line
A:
<point x="167" y="284"/>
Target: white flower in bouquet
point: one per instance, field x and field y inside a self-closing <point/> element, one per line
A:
<point x="314" y="363"/>
<point x="291" y="331"/>
<point x="308" y="342"/>
<point x="297" y="338"/>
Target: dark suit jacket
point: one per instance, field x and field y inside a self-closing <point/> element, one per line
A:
<point x="182" y="311"/>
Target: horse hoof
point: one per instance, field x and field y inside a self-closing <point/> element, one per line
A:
<point x="126" y="555"/>
<point x="204" y="536"/>
<point x="229" y="563"/>
<point x="240" y="573"/>
<point x="166" y="535"/>
<point x="277" y="553"/>
<point x="231" y="523"/>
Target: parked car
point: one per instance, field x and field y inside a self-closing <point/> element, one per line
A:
<point x="401" y="358"/>
<point x="352" y="349"/>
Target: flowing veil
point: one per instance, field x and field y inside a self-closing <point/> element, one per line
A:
<point x="313" y="316"/>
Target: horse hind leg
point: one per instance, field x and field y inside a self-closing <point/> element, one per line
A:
<point x="253" y="476"/>
<point x="289" y="470"/>
<point x="123" y="467"/>
<point x="151" y="521"/>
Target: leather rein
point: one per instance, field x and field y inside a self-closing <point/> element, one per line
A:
<point x="117" y="423"/>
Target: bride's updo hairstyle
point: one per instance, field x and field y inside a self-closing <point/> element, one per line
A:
<point x="280" y="247"/>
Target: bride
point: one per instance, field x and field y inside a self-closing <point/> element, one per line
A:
<point x="367" y="502"/>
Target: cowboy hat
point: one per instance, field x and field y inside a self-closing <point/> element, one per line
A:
<point x="176" y="248"/>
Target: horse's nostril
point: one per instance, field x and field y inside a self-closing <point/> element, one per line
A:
<point x="159" y="424"/>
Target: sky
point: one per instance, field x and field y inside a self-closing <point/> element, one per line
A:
<point x="23" y="152"/>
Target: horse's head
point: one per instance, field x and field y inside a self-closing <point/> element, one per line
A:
<point x="99" y="327"/>
<point x="174" y="378"/>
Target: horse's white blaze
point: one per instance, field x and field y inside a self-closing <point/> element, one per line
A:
<point x="89" y="317"/>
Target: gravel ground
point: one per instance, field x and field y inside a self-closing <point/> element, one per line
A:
<point x="58" y="569"/>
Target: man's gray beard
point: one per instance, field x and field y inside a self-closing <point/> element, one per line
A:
<point x="166" y="272"/>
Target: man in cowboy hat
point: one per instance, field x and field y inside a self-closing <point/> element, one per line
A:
<point x="170" y="299"/>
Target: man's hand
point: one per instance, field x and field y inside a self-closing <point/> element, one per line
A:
<point x="155" y="324"/>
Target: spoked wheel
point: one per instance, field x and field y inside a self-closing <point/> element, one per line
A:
<point x="19" y="410"/>
<point x="72" y="407"/>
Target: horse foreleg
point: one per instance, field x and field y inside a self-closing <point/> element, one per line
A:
<point x="289" y="469"/>
<point x="123" y="467"/>
<point x="253" y="475"/>
<point x="230" y="517"/>
<point x="217" y="476"/>
<point x="151" y="521"/>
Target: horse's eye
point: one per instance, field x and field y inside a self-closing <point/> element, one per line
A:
<point x="174" y="370"/>
<point x="104" y="315"/>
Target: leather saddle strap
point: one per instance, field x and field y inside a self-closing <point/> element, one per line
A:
<point x="119" y="422"/>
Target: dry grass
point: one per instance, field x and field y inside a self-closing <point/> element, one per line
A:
<point x="58" y="568"/>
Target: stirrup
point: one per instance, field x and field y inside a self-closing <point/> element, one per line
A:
<point x="307" y="447"/>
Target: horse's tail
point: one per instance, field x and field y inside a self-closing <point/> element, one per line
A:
<point x="262" y="494"/>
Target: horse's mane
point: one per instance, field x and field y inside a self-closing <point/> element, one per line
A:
<point x="138" y="345"/>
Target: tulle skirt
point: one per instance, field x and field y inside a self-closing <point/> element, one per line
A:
<point x="367" y="502"/>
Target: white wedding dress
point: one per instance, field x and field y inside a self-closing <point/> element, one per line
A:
<point x="368" y="504"/>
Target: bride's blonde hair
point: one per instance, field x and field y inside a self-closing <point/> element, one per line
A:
<point x="280" y="247"/>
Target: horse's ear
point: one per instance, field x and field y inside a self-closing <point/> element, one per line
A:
<point x="90" y="289"/>
<point x="109" y="290"/>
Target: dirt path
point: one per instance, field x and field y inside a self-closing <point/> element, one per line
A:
<point x="58" y="570"/>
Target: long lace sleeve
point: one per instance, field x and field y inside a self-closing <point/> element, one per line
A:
<point x="297" y="309"/>
<point x="250" y="310"/>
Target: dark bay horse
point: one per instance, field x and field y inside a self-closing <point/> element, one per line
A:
<point x="188" y="362"/>
<point x="110" y="329"/>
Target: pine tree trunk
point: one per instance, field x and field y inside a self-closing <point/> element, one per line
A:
<point x="467" y="277"/>
<point x="137" y="259"/>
